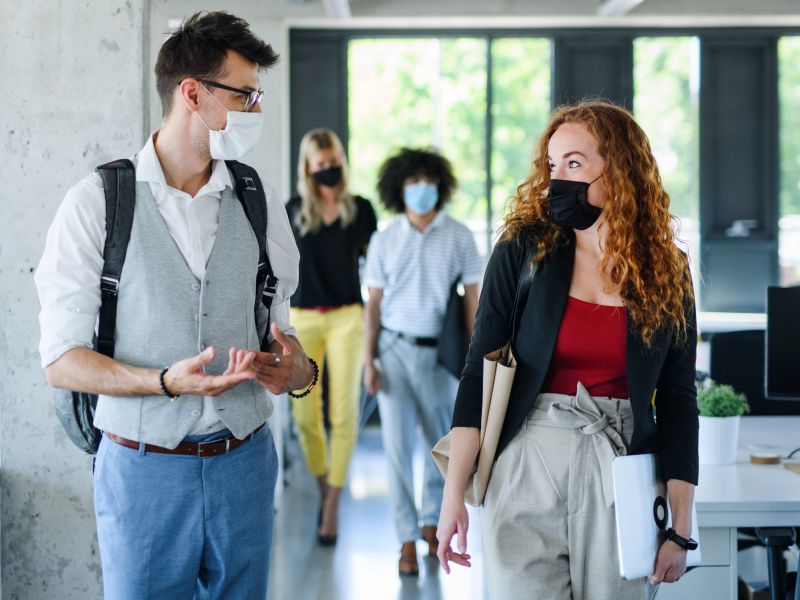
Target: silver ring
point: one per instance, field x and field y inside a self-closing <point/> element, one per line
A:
<point x="277" y="361"/>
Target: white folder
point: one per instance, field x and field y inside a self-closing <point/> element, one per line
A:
<point x="642" y="514"/>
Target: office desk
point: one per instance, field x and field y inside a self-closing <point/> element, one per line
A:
<point x="740" y="495"/>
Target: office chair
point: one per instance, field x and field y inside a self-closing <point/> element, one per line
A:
<point x="777" y="540"/>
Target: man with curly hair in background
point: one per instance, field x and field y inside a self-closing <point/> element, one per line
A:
<point x="411" y="266"/>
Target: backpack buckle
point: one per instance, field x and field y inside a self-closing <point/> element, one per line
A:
<point x="270" y="285"/>
<point x="110" y="285"/>
<point x="250" y="185"/>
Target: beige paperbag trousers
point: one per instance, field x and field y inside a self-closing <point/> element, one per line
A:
<point x="548" y="518"/>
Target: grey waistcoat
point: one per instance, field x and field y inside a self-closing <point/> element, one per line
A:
<point x="164" y="314"/>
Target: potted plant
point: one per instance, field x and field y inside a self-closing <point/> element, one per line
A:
<point x="720" y="409"/>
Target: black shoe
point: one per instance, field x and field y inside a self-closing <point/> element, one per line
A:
<point x="326" y="540"/>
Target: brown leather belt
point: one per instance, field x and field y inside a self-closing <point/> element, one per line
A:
<point x="201" y="449"/>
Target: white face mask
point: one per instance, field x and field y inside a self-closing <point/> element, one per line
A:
<point x="241" y="133"/>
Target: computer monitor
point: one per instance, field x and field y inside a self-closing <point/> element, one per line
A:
<point x="782" y="357"/>
<point x="737" y="359"/>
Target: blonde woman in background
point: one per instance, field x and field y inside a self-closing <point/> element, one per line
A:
<point x="332" y="229"/>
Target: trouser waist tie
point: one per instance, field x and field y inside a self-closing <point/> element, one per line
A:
<point x="584" y="415"/>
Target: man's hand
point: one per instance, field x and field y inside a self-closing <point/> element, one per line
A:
<point x="187" y="377"/>
<point x="372" y="379"/>
<point x="283" y="371"/>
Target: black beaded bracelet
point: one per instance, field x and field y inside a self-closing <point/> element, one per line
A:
<point x="164" y="389"/>
<point x="313" y="381"/>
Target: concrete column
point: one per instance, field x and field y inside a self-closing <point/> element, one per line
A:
<point x="72" y="95"/>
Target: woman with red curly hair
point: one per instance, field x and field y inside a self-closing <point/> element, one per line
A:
<point x="607" y="319"/>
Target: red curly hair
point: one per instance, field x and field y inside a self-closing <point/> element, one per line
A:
<point x="640" y="254"/>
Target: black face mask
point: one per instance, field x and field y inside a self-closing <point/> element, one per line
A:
<point x="328" y="177"/>
<point x="569" y="205"/>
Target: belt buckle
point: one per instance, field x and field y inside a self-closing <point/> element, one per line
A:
<point x="200" y="446"/>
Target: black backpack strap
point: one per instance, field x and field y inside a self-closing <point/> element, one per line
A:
<point x="251" y="194"/>
<point x="119" y="183"/>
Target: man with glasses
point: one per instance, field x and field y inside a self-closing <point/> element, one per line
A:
<point x="186" y="469"/>
<point x="249" y="98"/>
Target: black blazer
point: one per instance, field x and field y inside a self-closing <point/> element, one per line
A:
<point x="662" y="370"/>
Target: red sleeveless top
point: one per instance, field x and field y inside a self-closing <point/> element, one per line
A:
<point x="590" y="348"/>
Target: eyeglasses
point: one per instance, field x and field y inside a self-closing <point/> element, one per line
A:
<point x="253" y="96"/>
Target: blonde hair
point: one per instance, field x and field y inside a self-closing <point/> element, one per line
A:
<point x="650" y="271"/>
<point x="309" y="217"/>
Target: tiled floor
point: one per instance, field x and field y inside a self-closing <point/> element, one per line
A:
<point x="363" y="565"/>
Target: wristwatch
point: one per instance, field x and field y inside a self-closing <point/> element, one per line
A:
<point x="689" y="544"/>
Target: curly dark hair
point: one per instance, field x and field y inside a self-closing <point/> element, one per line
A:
<point x="408" y="163"/>
<point x="198" y="47"/>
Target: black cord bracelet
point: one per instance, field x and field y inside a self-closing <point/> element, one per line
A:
<point x="313" y="381"/>
<point x="164" y="389"/>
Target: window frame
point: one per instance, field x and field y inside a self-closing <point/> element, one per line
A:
<point x="720" y="254"/>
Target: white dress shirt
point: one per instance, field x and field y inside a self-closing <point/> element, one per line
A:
<point x="68" y="275"/>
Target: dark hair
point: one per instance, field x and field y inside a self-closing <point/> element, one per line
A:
<point x="408" y="163"/>
<point x="198" y="47"/>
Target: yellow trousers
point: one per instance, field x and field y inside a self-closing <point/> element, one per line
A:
<point x="336" y="337"/>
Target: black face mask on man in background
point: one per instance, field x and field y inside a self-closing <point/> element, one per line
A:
<point x="569" y="204"/>
<point x="328" y="177"/>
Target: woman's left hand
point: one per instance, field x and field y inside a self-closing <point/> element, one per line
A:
<point x="670" y="563"/>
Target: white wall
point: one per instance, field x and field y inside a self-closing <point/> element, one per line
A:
<point x="77" y="90"/>
<point x="566" y="8"/>
<point x="71" y="98"/>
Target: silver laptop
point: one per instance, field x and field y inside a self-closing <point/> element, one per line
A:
<point x="642" y="511"/>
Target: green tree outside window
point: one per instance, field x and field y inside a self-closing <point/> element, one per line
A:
<point x="521" y="92"/>
<point x="789" y="131"/>
<point x="419" y="93"/>
<point x="666" y="104"/>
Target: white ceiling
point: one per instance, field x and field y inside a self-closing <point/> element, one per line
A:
<point x="556" y="8"/>
<point x="314" y="9"/>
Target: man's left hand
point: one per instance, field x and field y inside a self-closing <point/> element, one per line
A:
<point x="670" y="563"/>
<point x="286" y="368"/>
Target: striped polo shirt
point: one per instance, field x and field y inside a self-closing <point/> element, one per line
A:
<point x="415" y="270"/>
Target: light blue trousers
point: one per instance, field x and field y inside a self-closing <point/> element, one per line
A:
<point x="183" y="527"/>
<point x="415" y="392"/>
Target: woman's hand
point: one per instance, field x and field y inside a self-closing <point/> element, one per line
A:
<point x="670" y="563"/>
<point x="453" y="520"/>
<point x="671" y="560"/>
